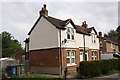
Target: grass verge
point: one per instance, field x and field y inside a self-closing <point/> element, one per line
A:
<point x="109" y="73"/>
<point x="34" y="77"/>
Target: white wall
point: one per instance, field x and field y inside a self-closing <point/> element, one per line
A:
<point x="88" y="43"/>
<point x="43" y="36"/>
<point x="76" y="43"/>
<point x="78" y="40"/>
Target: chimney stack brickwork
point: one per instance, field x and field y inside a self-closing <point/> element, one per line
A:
<point x="100" y="34"/>
<point x="84" y="24"/>
<point x="44" y="11"/>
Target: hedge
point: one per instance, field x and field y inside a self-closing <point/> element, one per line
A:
<point x="89" y="69"/>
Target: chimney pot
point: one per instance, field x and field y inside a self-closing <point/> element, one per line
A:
<point x="44" y="11"/>
<point x="100" y="34"/>
<point x="44" y="5"/>
<point x="84" y="22"/>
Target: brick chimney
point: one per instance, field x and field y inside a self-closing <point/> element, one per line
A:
<point x="84" y="24"/>
<point x="44" y="11"/>
<point x="100" y="34"/>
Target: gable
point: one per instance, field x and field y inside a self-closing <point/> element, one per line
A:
<point x="69" y="25"/>
<point x="34" y="25"/>
<point x="44" y="35"/>
<point x="94" y="31"/>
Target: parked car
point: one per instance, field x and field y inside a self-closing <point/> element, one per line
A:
<point x="116" y="55"/>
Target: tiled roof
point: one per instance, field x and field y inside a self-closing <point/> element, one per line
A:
<point x="63" y="23"/>
<point x="60" y="24"/>
<point x="109" y="40"/>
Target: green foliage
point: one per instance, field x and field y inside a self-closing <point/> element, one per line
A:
<point x="89" y="69"/>
<point x="118" y="33"/>
<point x="9" y="45"/>
<point x="113" y="34"/>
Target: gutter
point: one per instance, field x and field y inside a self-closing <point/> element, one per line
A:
<point x="60" y="53"/>
<point x="84" y="44"/>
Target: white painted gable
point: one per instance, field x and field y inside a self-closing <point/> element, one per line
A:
<point x="93" y="32"/>
<point x="44" y="35"/>
<point x="70" y="25"/>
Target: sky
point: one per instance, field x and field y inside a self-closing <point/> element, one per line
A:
<point x="19" y="17"/>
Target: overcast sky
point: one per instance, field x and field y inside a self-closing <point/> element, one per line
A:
<point x="19" y="17"/>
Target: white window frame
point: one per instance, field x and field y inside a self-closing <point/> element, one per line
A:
<point x="93" y="38"/>
<point x="111" y="44"/>
<point x="101" y="44"/>
<point x="94" y="57"/>
<point x="67" y="57"/>
<point x="70" y="57"/>
<point x="23" y="57"/>
<point x="73" y="56"/>
<point x="71" y="33"/>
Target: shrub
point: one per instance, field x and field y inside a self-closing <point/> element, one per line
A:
<point x="91" y="69"/>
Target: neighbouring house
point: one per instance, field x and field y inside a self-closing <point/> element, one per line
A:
<point x="55" y="44"/>
<point x="20" y="56"/>
<point x="107" y="45"/>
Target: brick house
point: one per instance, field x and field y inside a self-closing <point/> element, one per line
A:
<point x="20" y="56"/>
<point x="55" y="44"/>
<point x="107" y="45"/>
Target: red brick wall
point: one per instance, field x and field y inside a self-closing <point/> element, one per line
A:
<point x="77" y="56"/>
<point x="18" y="56"/>
<point x="97" y="54"/>
<point x="109" y="49"/>
<point x="50" y="58"/>
<point x="106" y="47"/>
<point x="44" y="58"/>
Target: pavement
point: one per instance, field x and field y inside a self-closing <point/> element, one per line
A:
<point x="108" y="77"/>
<point x="111" y="76"/>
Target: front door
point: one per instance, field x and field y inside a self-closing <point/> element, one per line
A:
<point x="81" y="56"/>
<point x="86" y="55"/>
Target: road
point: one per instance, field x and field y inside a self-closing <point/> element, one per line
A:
<point x="108" y="77"/>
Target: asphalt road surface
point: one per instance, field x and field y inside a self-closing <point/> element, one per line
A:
<point x="108" y="77"/>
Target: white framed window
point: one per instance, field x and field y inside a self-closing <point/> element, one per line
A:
<point x="73" y="56"/>
<point x="111" y="45"/>
<point x="101" y="44"/>
<point x="94" y="56"/>
<point x="23" y="57"/>
<point x="70" y="57"/>
<point x="70" y="33"/>
<point x="93" y="38"/>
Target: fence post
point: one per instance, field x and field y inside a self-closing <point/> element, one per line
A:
<point x="65" y="73"/>
<point x="78" y="72"/>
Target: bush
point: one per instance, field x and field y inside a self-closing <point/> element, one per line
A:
<point x="91" y="69"/>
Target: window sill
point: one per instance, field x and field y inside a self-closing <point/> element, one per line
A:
<point x="73" y="64"/>
<point x="69" y="40"/>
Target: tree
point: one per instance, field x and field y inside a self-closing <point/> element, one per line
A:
<point x="9" y="45"/>
<point x="118" y="34"/>
<point x="114" y="35"/>
<point x="111" y="34"/>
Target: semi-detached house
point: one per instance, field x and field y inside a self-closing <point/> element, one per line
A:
<point x="55" y="44"/>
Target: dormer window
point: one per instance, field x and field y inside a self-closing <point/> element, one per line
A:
<point x="93" y="38"/>
<point x="70" y="33"/>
